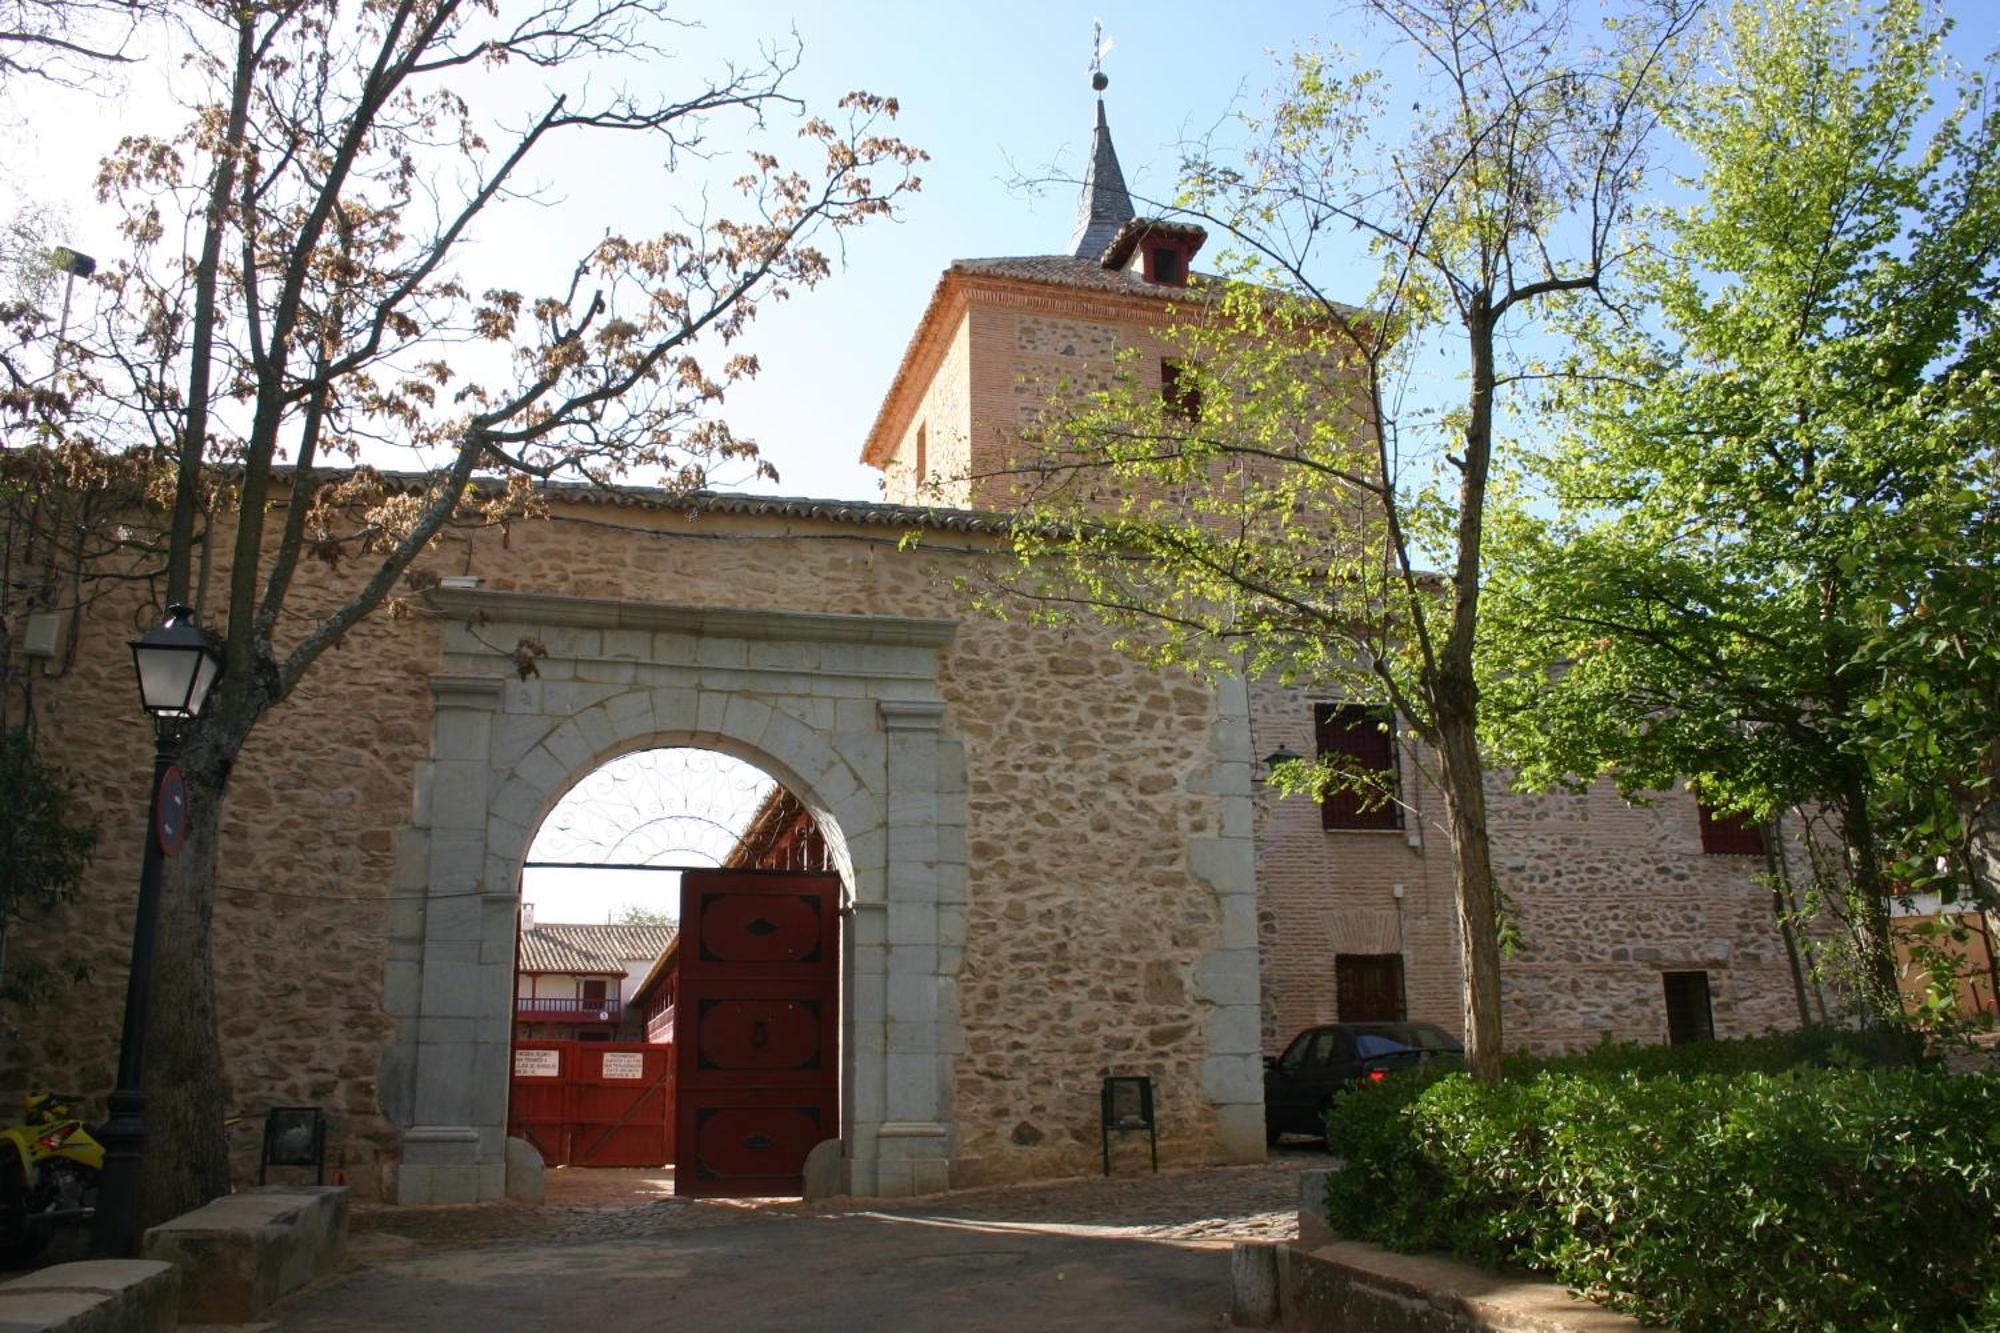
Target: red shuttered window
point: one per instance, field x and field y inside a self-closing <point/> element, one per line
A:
<point x="1363" y="739"/>
<point x="1729" y="835"/>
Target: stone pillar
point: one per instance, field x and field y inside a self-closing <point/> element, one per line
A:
<point x="1227" y="977"/>
<point x="456" y="1042"/>
<point x="905" y="1017"/>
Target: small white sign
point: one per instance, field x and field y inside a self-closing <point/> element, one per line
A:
<point x="537" y="1064"/>
<point x="624" y="1064"/>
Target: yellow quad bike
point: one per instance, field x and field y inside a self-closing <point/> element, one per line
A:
<point x="49" y="1164"/>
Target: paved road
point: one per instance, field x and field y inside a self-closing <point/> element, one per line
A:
<point x="1146" y="1254"/>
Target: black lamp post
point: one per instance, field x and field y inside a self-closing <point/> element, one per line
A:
<point x="176" y="667"/>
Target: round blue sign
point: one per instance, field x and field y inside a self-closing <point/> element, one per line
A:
<point x="171" y="805"/>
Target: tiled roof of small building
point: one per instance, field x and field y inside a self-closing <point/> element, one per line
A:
<point x="1071" y="271"/>
<point x="556" y="946"/>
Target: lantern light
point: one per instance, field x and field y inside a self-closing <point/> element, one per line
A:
<point x="176" y="666"/>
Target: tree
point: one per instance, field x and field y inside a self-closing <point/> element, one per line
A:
<point x="43" y="849"/>
<point x="637" y="914"/>
<point x="1767" y="491"/>
<point x="328" y="185"/>
<point x="65" y="42"/>
<point x="1282" y="513"/>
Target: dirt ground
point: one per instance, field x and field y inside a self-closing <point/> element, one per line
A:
<point x="1142" y="1252"/>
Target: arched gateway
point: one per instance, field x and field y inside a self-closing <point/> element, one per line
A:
<point x="843" y="710"/>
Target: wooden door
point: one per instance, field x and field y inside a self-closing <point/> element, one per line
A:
<point x="757" y="1030"/>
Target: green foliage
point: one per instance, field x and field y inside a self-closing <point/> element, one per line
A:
<point x="1276" y="511"/>
<point x="42" y="852"/>
<point x="1776" y="484"/>
<point x="1821" y="1046"/>
<point x="1817" y="1198"/>
<point x="637" y="914"/>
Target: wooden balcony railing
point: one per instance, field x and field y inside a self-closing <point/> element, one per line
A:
<point x="570" y="1008"/>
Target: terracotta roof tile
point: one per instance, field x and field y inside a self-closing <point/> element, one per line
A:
<point x="556" y="946"/>
<point x="1069" y="271"/>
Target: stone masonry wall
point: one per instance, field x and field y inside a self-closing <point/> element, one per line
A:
<point x="944" y="418"/>
<point x="1094" y="944"/>
<point x="1607" y="895"/>
<point x="308" y="852"/>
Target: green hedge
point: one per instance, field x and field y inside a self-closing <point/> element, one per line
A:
<point x="1822" y="1046"/>
<point x="1812" y="1199"/>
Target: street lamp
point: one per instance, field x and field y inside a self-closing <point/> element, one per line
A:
<point x="1284" y="754"/>
<point x="176" y="667"/>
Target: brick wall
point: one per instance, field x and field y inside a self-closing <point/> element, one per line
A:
<point x="1607" y="896"/>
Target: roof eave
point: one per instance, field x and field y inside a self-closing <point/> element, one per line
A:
<point x="926" y="344"/>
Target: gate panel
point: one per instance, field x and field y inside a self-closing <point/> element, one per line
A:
<point x="622" y="1112"/>
<point x="538" y="1101"/>
<point x="592" y="1103"/>
<point x="758" y="1029"/>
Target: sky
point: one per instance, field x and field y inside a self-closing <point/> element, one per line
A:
<point x="653" y="808"/>
<point x="997" y="94"/>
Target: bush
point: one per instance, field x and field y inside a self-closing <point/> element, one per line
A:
<point x="1811" y="1199"/>
<point x="1822" y="1046"/>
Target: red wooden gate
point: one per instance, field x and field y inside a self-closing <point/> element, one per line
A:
<point x="594" y="1103"/>
<point x="757" y="1029"/>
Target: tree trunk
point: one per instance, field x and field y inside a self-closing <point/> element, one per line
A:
<point x="1454" y="697"/>
<point x="1781" y="911"/>
<point x="1871" y="899"/>
<point x="185" y="1160"/>
<point x="1476" y="895"/>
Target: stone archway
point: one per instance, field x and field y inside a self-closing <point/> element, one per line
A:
<point x="843" y="710"/>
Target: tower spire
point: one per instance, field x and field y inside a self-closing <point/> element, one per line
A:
<point x="1106" y="205"/>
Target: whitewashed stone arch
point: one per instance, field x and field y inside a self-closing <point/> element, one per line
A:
<point x="844" y="710"/>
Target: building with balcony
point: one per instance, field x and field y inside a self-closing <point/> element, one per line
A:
<point x="575" y="982"/>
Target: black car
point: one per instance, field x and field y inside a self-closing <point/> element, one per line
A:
<point x="1321" y="1061"/>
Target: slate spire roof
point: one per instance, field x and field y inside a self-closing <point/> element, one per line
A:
<point x="1106" y="205"/>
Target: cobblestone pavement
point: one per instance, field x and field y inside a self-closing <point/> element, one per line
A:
<point x="1140" y="1252"/>
<point x="1220" y="1204"/>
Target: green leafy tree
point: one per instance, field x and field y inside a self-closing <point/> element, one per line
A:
<point x="637" y="914"/>
<point x="1768" y="488"/>
<point x="296" y="291"/>
<point x="44" y="848"/>
<point x="1283" y="511"/>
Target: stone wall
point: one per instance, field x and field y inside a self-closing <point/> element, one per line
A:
<point x="308" y="854"/>
<point x="1108" y="923"/>
<point x="1607" y="895"/>
<point x="943" y="417"/>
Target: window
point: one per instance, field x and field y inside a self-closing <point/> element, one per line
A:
<point x="1179" y="392"/>
<point x="923" y="451"/>
<point x="1729" y="835"/>
<point x="1688" y="1015"/>
<point x="1360" y="739"/>
<point x="1166" y="265"/>
<point x="1368" y="1045"/>
<point x="592" y="992"/>
<point x="1368" y="988"/>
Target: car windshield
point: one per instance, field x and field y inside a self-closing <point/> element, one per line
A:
<point x="1370" y="1044"/>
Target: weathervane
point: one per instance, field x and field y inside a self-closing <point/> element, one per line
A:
<point x="1100" y="47"/>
